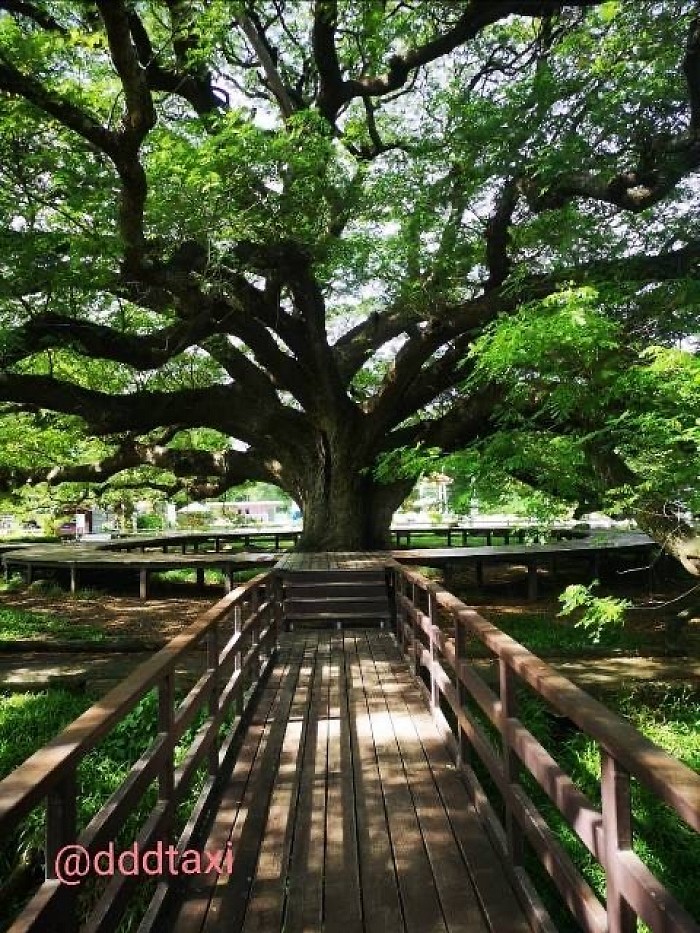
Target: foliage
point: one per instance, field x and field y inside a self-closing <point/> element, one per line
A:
<point x="149" y="522"/>
<point x="598" y="614"/>
<point x="318" y="246"/>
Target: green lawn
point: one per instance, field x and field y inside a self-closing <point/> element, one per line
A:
<point x="18" y="625"/>
<point x="544" y="634"/>
<point x="670" y="717"/>
<point x="29" y="721"/>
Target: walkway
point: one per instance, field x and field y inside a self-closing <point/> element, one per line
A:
<point x="345" y="810"/>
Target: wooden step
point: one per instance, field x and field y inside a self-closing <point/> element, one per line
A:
<point x="333" y="590"/>
<point x="341" y="605"/>
<point x="332" y="576"/>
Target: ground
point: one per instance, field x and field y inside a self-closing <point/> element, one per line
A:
<point x="117" y="615"/>
<point x="642" y="652"/>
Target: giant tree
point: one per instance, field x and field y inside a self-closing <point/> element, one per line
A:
<point x="260" y="240"/>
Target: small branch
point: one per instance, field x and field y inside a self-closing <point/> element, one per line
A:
<point x="32" y="11"/>
<point x="262" y="50"/>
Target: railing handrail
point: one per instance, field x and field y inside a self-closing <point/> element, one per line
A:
<point x="30" y="782"/>
<point x="676" y="783"/>
<point x="632" y="890"/>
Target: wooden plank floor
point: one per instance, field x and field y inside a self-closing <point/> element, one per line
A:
<point x="344" y="809"/>
<point x="298" y="561"/>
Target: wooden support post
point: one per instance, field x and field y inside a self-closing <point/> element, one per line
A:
<point x="228" y="578"/>
<point x="463" y="748"/>
<point x="595" y="565"/>
<point x="73" y="579"/>
<point x="213" y="668"/>
<point x="416" y="642"/>
<point x="61" y="830"/>
<point x="399" y="589"/>
<point x="532" y="590"/>
<point x="511" y="762"/>
<point x="489" y="537"/>
<point x="617" y="834"/>
<point x="480" y="573"/>
<point x="238" y="660"/>
<point x="143" y="583"/>
<point x="200" y="578"/>
<point x="277" y="595"/>
<point x="433" y="613"/>
<point x="166" y="772"/>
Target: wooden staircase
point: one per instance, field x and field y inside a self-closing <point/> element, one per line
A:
<point x="322" y="598"/>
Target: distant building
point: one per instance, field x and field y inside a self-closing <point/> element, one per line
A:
<point x="269" y="512"/>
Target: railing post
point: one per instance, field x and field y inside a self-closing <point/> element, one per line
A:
<point x="463" y="750"/>
<point x="166" y="715"/>
<point x="417" y="643"/>
<point x="617" y="835"/>
<point x="278" y="615"/>
<point x="238" y="658"/>
<point x="391" y="595"/>
<point x="400" y="590"/>
<point x="511" y="763"/>
<point x="255" y="628"/>
<point x="433" y="614"/>
<point x="61" y="830"/>
<point x="213" y="670"/>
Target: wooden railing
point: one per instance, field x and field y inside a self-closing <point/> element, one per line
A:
<point x="453" y="685"/>
<point x="239" y="636"/>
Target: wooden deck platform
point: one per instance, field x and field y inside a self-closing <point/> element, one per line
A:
<point x="344" y="808"/>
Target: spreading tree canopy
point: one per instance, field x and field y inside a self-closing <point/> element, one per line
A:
<point x="312" y="243"/>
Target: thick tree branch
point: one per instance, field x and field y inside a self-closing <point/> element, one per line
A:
<point x="13" y="81"/>
<point x="138" y="119"/>
<point x="478" y="14"/>
<point x="468" y="420"/>
<point x="139" y="114"/>
<point x="498" y="235"/>
<point x="140" y="351"/>
<point x="195" y="87"/>
<point x="226" y="469"/>
<point x="226" y="408"/>
<point x="664" y="162"/>
<point x="31" y="11"/>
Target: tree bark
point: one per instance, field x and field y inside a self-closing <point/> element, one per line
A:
<point x="345" y="508"/>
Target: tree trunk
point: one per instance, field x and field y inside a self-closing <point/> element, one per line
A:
<point x="347" y="510"/>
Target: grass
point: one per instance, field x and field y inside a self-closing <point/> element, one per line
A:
<point x="211" y="576"/>
<point x="667" y="715"/>
<point x="29" y="721"/>
<point x="20" y="625"/>
<point x="541" y="633"/>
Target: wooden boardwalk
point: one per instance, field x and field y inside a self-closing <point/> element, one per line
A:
<point x="345" y="810"/>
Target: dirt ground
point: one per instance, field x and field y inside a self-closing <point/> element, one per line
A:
<point x="175" y="605"/>
<point x="121" y="616"/>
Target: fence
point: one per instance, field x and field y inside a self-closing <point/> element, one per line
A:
<point x="453" y="685"/>
<point x="238" y="637"/>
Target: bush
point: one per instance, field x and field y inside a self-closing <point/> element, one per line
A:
<point x="149" y="521"/>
